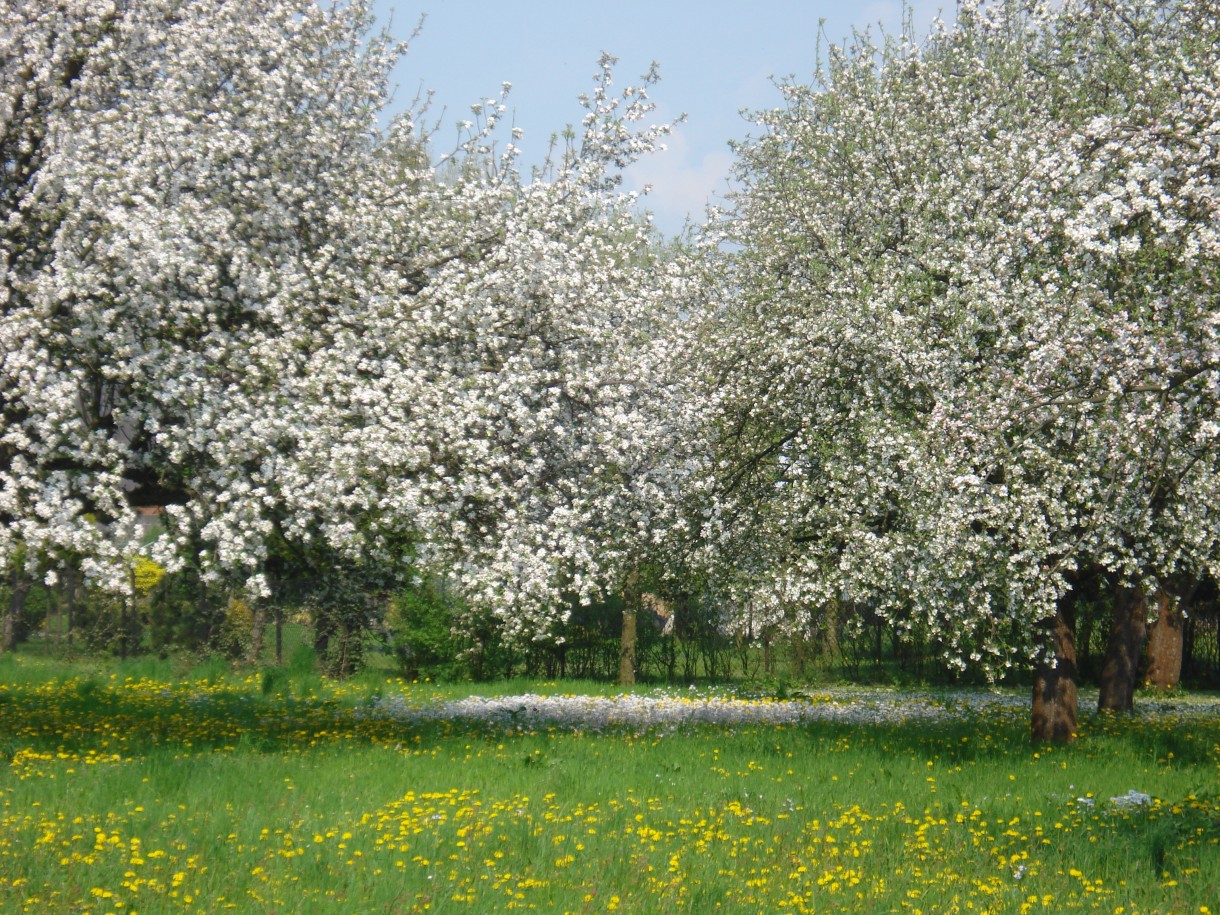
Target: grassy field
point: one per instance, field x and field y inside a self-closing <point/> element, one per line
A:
<point x="145" y="789"/>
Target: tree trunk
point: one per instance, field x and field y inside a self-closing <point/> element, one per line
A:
<point x="73" y="585"/>
<point x="626" y="655"/>
<point x="1165" y="644"/>
<point x="627" y="644"/>
<point x="126" y="610"/>
<point x="19" y="590"/>
<point x="1053" y="717"/>
<point x="1128" y="629"/>
<point x="258" y="626"/>
<point x="830" y="636"/>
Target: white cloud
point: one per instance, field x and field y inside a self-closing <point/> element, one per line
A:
<point x="683" y="185"/>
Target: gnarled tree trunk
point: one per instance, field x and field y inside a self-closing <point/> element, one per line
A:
<point x="1128" y="629"/>
<point x="1053" y="717"/>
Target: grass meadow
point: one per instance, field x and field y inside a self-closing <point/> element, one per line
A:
<point x="139" y="788"/>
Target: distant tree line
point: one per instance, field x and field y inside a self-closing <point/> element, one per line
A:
<point x="426" y="630"/>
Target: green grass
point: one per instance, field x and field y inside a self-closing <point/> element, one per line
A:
<point x="126" y="789"/>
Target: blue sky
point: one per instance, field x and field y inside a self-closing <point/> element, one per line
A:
<point x="716" y="57"/>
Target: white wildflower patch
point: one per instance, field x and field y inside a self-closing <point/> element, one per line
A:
<point x="662" y="712"/>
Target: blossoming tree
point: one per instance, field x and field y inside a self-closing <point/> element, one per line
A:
<point x="521" y="411"/>
<point x="970" y="350"/>
<point x="229" y="293"/>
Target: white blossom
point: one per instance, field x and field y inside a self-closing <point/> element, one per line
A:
<point x="968" y="343"/>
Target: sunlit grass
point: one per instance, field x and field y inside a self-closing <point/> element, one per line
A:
<point x="126" y="791"/>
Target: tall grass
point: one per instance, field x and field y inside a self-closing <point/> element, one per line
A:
<point x="127" y="790"/>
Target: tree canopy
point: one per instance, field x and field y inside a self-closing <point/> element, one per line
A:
<point x="972" y="321"/>
<point x="231" y="293"/>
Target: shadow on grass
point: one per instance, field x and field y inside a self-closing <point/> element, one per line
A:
<point x="79" y="710"/>
<point x="90" y="716"/>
